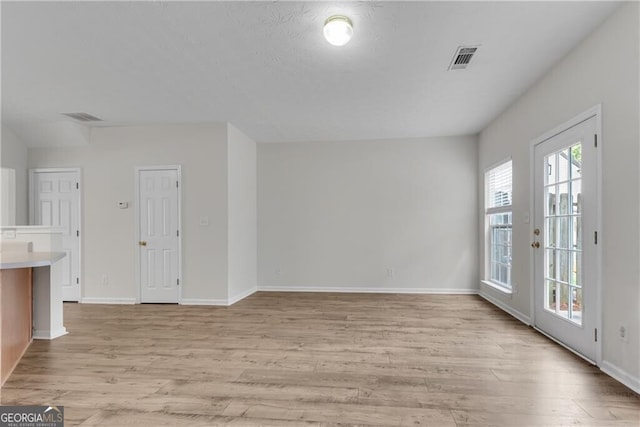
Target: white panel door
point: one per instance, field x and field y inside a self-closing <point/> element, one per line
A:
<point x="55" y="202"/>
<point x="565" y="239"/>
<point x="159" y="241"/>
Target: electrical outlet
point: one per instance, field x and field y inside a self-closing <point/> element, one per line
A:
<point x="278" y="272"/>
<point x="390" y="272"/>
<point x="105" y="279"/>
<point x="623" y="332"/>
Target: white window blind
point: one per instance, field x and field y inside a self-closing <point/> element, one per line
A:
<point x="499" y="193"/>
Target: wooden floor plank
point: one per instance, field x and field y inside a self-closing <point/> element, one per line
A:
<point x="296" y="359"/>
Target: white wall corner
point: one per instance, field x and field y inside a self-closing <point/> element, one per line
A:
<point x="49" y="335"/>
<point x="235" y="298"/>
<point x="621" y="375"/>
<point x="501" y="305"/>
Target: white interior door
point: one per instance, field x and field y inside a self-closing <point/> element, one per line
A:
<point x="159" y="234"/>
<point x="55" y="202"/>
<point x="565" y="237"/>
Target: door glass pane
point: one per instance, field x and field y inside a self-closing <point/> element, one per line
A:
<point x="576" y="197"/>
<point x="551" y="169"/>
<point x="550" y="302"/>
<point x="563" y="266"/>
<point x="576" y="161"/>
<point x="563" y="234"/>
<point x="550" y="256"/>
<point x="550" y="196"/>
<point x="576" y="273"/>
<point x="577" y="305"/>
<point x="563" y="199"/>
<point x="550" y="229"/>
<point x="563" y="291"/>
<point x="576" y="234"/>
<point x="563" y="165"/>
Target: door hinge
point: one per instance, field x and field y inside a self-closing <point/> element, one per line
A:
<point x="595" y="140"/>
<point x="176" y="184"/>
<point x="77" y="233"/>
<point x="595" y="334"/>
<point x="178" y="282"/>
<point x="595" y="237"/>
<point x="77" y="280"/>
<point x="177" y="233"/>
<point x="77" y="185"/>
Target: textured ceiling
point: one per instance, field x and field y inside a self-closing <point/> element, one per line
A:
<point x="265" y="66"/>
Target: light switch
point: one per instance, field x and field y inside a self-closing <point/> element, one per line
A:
<point x="123" y="205"/>
<point x="204" y="220"/>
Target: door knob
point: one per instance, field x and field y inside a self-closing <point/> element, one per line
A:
<point x="142" y="243"/>
<point x="535" y="245"/>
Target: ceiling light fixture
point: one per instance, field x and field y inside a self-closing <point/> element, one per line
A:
<point x="338" y="30"/>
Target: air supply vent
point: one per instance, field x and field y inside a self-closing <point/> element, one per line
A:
<point x="82" y="117"/>
<point x="462" y="57"/>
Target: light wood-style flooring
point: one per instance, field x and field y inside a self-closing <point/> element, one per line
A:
<point x="295" y="359"/>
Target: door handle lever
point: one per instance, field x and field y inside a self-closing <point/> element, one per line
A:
<point x="142" y="243"/>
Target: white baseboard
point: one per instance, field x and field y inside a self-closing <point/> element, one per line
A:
<point x="202" y="301"/>
<point x="242" y="295"/>
<point x="504" y="307"/>
<point x="49" y="335"/>
<point x="107" y="300"/>
<point x="621" y="375"/>
<point x="352" y="290"/>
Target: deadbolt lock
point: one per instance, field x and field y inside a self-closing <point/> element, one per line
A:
<point x="536" y="231"/>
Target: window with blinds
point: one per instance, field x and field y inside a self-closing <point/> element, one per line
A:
<point x="499" y="188"/>
<point x="498" y="201"/>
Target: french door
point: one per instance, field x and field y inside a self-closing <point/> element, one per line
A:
<point x="564" y="240"/>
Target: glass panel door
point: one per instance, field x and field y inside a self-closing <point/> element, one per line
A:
<point x="564" y="248"/>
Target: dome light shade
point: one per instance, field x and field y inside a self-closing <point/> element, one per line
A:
<point x="338" y="30"/>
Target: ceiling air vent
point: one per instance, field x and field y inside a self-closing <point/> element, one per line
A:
<point x="83" y="117"/>
<point x="462" y="57"/>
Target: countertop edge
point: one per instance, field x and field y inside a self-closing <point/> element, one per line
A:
<point x="29" y="259"/>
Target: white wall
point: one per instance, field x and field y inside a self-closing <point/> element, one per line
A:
<point x="243" y="221"/>
<point x="339" y="215"/>
<point x="109" y="242"/>
<point x="13" y="154"/>
<point x="603" y="69"/>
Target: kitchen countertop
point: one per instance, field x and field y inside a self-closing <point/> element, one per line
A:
<point x="28" y="259"/>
